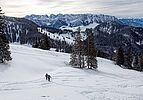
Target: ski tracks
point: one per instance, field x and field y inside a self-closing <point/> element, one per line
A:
<point x="9" y="86"/>
<point x="95" y="89"/>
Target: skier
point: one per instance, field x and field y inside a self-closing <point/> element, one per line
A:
<point x="49" y="78"/>
<point x="46" y="75"/>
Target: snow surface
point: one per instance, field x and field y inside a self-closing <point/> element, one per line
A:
<point x="23" y="78"/>
<point x="56" y="36"/>
<point x="83" y="28"/>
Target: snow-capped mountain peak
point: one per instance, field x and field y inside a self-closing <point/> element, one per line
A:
<point x="69" y="20"/>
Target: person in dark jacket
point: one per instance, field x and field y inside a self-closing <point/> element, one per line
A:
<point x="49" y="78"/>
<point x="46" y="76"/>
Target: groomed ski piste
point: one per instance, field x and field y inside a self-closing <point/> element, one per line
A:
<point x="23" y="78"/>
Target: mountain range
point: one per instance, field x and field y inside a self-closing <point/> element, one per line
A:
<point x="109" y="31"/>
<point x="76" y="20"/>
<point x="136" y="22"/>
<point x="69" y="20"/>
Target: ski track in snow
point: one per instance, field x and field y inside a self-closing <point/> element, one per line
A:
<point x="109" y="82"/>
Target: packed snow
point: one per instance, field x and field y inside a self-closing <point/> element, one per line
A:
<point x="23" y="78"/>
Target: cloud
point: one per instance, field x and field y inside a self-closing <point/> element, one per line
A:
<point x="122" y="8"/>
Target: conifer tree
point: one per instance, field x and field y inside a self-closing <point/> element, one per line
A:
<point x="76" y="56"/>
<point x="35" y="44"/>
<point x="73" y="59"/>
<point x="91" y="51"/>
<point x="47" y="42"/>
<point x="119" y="56"/>
<point x="141" y="62"/>
<point x="4" y="44"/>
<point x="44" y="43"/>
<point x="128" y="59"/>
<point x="82" y="54"/>
<point x="135" y="63"/>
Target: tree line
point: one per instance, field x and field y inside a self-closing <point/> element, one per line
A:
<point x="45" y="42"/>
<point x="128" y="60"/>
<point x="84" y="53"/>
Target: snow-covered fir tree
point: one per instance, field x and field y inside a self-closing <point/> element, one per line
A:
<point x="4" y="44"/>
<point x="91" y="52"/>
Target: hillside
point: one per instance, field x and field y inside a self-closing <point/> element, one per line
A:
<point x="21" y="30"/>
<point x="23" y="78"/>
<point x="111" y="35"/>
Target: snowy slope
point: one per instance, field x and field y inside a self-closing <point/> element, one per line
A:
<point x="23" y="78"/>
<point x="21" y="30"/>
<point x="56" y="36"/>
<point x="83" y="28"/>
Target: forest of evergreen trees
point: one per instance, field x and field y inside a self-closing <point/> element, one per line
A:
<point x="45" y="43"/>
<point x="42" y="43"/>
<point x="128" y="60"/>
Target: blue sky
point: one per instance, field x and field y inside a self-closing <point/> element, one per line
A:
<point x="119" y="8"/>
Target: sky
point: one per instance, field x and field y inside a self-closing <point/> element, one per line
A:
<point x="119" y="8"/>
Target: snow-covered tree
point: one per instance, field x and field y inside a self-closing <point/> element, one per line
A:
<point x="4" y="44"/>
<point x="91" y="52"/>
